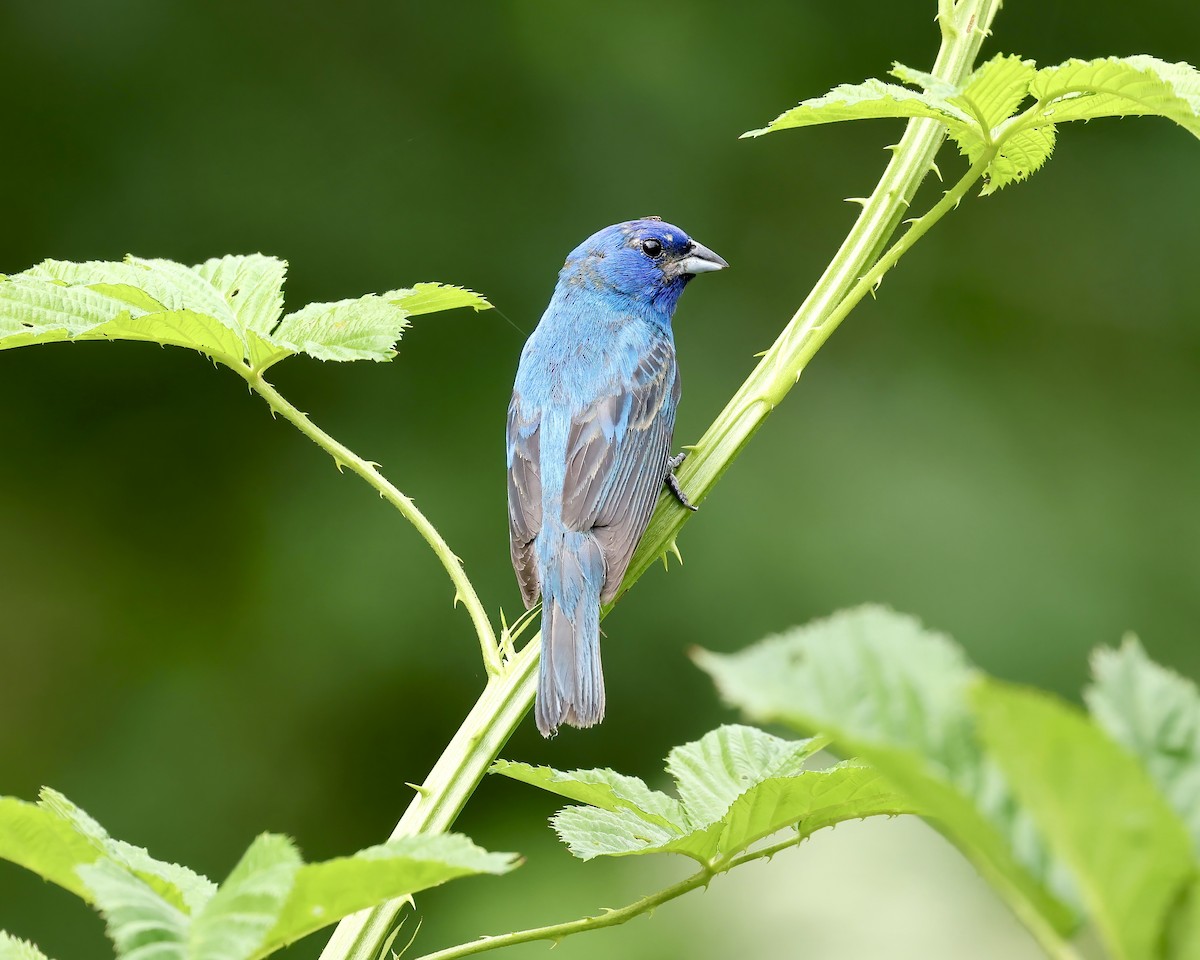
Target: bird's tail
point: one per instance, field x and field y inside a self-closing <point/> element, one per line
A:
<point x="570" y="681"/>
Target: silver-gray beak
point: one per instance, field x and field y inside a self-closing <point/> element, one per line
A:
<point x="701" y="260"/>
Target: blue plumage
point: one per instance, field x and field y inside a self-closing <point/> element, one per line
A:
<point x="589" y="440"/>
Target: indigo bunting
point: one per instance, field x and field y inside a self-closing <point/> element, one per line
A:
<point x="589" y="444"/>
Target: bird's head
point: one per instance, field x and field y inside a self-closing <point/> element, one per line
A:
<point x="648" y="260"/>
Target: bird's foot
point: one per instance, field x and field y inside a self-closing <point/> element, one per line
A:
<point x="673" y="484"/>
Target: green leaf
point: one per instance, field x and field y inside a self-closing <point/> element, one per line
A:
<point x="325" y="892"/>
<point x="13" y="949"/>
<point x="31" y="308"/>
<point x="994" y="91"/>
<point x="251" y="285"/>
<point x="867" y="100"/>
<point x="433" y="297"/>
<point x="41" y="841"/>
<point x="737" y="785"/>
<point x="1155" y="714"/>
<point x="177" y="328"/>
<point x="1020" y="155"/>
<point x="887" y="690"/>
<point x="941" y="89"/>
<point x="363" y="329"/>
<point x="605" y="789"/>
<point x="138" y="920"/>
<point x="233" y="925"/>
<point x="1120" y="87"/>
<point x="1181" y="937"/>
<point x="189" y="290"/>
<point x="180" y="886"/>
<point x="1097" y="807"/>
<point x="228" y="308"/>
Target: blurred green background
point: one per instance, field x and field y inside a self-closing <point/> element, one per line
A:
<point x="208" y="632"/>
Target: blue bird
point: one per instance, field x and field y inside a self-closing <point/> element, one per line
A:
<point x="589" y="444"/>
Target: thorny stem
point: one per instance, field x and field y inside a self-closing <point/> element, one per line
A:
<point x="345" y="457"/>
<point x="510" y="693"/>
<point x="611" y="918"/>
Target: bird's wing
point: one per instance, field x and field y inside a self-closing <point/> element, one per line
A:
<point x="524" y="496"/>
<point x="617" y="452"/>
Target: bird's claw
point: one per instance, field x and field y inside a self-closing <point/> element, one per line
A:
<point x="673" y="484"/>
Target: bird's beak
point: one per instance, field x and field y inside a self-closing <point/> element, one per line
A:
<point x="701" y="260"/>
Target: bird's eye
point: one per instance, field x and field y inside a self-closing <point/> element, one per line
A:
<point x="652" y="248"/>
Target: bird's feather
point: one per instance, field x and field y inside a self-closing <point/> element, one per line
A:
<point x="617" y="452"/>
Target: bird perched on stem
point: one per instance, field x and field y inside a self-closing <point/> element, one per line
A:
<point x="589" y="443"/>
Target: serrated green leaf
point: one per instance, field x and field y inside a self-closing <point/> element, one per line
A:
<point x="942" y="89"/>
<point x="603" y="788"/>
<point x="325" y="892"/>
<point x="1021" y="154"/>
<point x="887" y="690"/>
<point x="193" y="291"/>
<point x="872" y="99"/>
<point x="31" y="307"/>
<point x="228" y="308"/>
<point x="127" y="294"/>
<point x="1154" y="713"/>
<point x="176" y="328"/>
<point x="712" y="772"/>
<point x="1120" y="86"/>
<point x="737" y="785"/>
<point x="234" y="924"/>
<point x="1097" y="807"/>
<point x="366" y="328"/>
<point x="41" y="841"/>
<point x="139" y="922"/>
<point x="251" y="285"/>
<point x="433" y="297"/>
<point x="13" y="949"/>
<point x="261" y="353"/>
<point x="994" y="91"/>
<point x="178" y="885"/>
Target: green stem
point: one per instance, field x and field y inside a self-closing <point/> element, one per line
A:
<point x="610" y="918"/>
<point x="344" y="457"/>
<point x="510" y="693"/>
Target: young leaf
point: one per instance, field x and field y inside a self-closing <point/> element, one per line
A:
<point x="251" y="285"/>
<point x="994" y="91"/>
<point x="190" y="290"/>
<point x="432" y="297"/>
<point x="942" y="89"/>
<point x="1120" y="87"/>
<point x="38" y="840"/>
<point x="234" y="924"/>
<point x="228" y="308"/>
<point x="31" y="308"/>
<point x="13" y="949"/>
<point x="180" y="886"/>
<point x="1020" y="155"/>
<point x="363" y="329"/>
<point x="737" y="785"/>
<point x="325" y="892"/>
<point x="867" y="100"/>
<point x="895" y="694"/>
<point x="1097" y="807"/>
<point x="138" y="920"/>
<point x="1155" y="714"/>
<point x="176" y="328"/>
